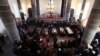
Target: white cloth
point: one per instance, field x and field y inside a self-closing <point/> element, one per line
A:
<point x="69" y="30"/>
<point x="54" y="30"/>
<point x="61" y="29"/>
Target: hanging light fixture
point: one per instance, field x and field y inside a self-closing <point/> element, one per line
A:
<point x="50" y="6"/>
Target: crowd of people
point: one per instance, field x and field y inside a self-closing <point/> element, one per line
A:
<point x="41" y="38"/>
<point x="37" y="38"/>
<point x="2" y="42"/>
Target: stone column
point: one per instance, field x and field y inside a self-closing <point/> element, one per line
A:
<point x="63" y="8"/>
<point x="8" y="21"/>
<point x="34" y="9"/>
<point x="68" y="9"/>
<point x="38" y="8"/>
<point x="92" y="24"/>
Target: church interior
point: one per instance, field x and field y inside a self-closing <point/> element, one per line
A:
<point x="49" y="27"/>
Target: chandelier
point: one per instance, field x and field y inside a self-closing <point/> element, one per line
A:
<point x="50" y="7"/>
